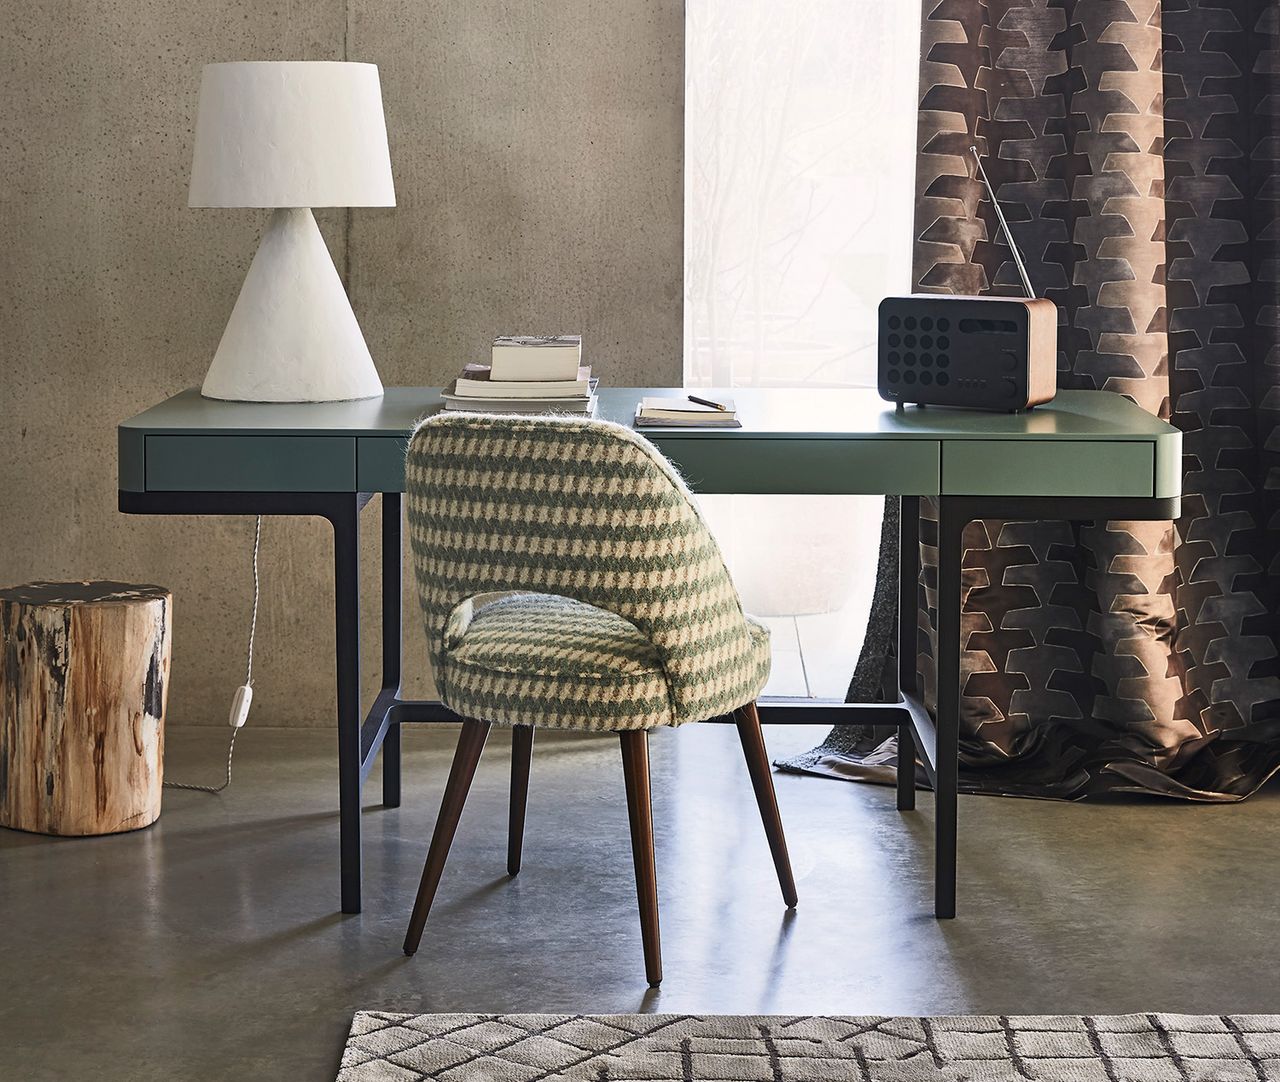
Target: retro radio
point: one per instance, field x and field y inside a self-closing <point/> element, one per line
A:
<point x="996" y="353"/>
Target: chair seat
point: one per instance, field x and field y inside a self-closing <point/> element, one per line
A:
<point x="540" y="659"/>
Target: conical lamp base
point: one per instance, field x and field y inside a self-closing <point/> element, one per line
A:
<point x="292" y="336"/>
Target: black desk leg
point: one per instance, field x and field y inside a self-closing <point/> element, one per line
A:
<point x="346" y="610"/>
<point x="392" y="639"/>
<point x="950" y="555"/>
<point x="908" y="604"/>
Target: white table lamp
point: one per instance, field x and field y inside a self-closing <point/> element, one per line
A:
<point x="291" y="136"/>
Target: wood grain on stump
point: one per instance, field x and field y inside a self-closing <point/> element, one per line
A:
<point x="84" y="674"/>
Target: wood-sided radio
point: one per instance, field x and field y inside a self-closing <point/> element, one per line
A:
<point x="998" y="353"/>
<point x="994" y="353"/>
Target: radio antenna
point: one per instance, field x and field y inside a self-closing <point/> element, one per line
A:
<point x="1013" y="247"/>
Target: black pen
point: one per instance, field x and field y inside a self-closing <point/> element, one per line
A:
<point x="708" y="402"/>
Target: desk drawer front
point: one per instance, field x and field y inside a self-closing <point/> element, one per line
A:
<point x="1048" y="468"/>
<point x="380" y="463"/>
<point x="251" y="464"/>
<point x="739" y="465"/>
<point x="804" y="466"/>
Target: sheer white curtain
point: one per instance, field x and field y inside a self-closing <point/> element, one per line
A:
<point x="799" y="158"/>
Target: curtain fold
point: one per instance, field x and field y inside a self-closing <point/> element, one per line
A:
<point x="1135" y="147"/>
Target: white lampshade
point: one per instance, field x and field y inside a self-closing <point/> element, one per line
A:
<point x="291" y="134"/>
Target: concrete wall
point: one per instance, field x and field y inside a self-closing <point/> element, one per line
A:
<point x="537" y="157"/>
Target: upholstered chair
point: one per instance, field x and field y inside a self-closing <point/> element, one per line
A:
<point x="568" y="581"/>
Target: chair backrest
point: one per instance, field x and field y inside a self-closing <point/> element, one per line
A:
<point x="584" y="509"/>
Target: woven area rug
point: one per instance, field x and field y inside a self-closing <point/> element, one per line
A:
<point x="762" y="1048"/>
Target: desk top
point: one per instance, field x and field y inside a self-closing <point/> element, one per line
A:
<point x="771" y="413"/>
<point x="1091" y="443"/>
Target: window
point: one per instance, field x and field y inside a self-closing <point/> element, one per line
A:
<point x="800" y="127"/>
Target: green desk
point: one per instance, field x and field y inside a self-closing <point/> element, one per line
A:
<point x="1087" y="455"/>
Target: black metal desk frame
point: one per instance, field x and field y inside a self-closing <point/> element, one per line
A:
<point x="361" y="735"/>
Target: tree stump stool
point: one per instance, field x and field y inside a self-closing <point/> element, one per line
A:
<point x="84" y="673"/>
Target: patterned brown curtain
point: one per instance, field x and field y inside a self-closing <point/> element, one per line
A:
<point x="1135" y="146"/>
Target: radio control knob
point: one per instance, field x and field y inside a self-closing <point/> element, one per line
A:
<point x="1008" y="387"/>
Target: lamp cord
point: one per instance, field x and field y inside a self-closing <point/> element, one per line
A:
<point x="248" y="675"/>
<point x="253" y="619"/>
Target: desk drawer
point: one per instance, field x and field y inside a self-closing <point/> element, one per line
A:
<point x="380" y="463"/>
<point x="1048" y="468"/>
<point x="251" y="463"/>
<point x="776" y="465"/>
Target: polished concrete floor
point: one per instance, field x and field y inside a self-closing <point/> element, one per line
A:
<point x="209" y="947"/>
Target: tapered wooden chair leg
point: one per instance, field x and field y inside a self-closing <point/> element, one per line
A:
<point x="752" y="738"/>
<point x="465" y="760"/>
<point x="521" y="756"/>
<point x="635" y="768"/>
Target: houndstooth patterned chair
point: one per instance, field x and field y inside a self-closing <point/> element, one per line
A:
<point x="568" y="580"/>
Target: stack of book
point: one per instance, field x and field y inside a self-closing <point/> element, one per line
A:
<point x="542" y="374"/>
<point x="690" y="412"/>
